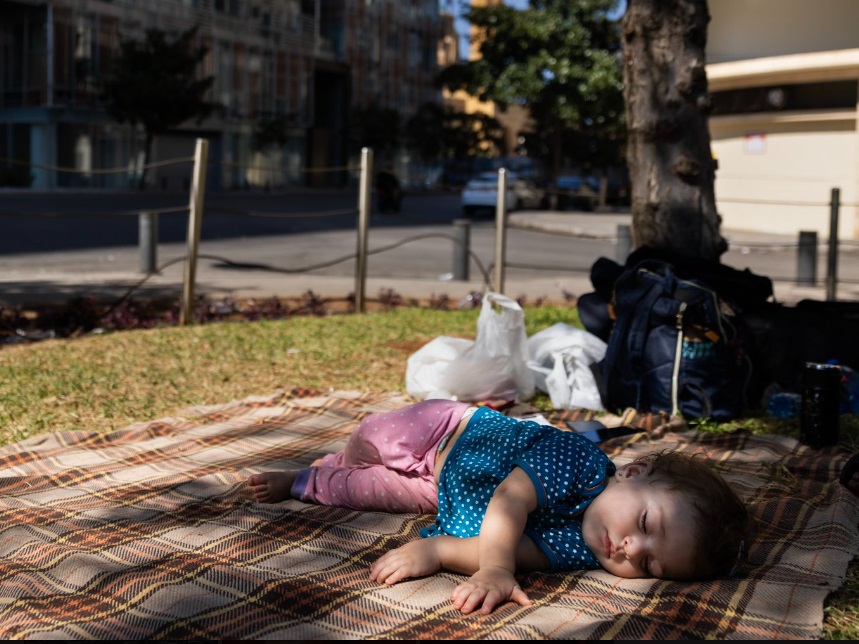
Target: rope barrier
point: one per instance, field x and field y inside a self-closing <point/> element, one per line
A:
<point x="544" y="267"/>
<point x="176" y="161"/>
<point x="340" y="260"/>
<point x="768" y="202"/>
<point x="124" y="213"/>
<point x="303" y="269"/>
<point x="574" y="194"/>
<point x="785" y="245"/>
<point x="154" y="164"/>
<point x="256" y="213"/>
<point x="416" y="220"/>
<point x="231" y="164"/>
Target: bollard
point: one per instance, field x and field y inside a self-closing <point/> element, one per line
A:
<point x="832" y="250"/>
<point x="806" y="258"/>
<point x="500" y="230"/>
<point x="461" y="246"/>
<point x="624" y="242"/>
<point x="147" y="226"/>
<point x="365" y="188"/>
<point x="195" y="222"/>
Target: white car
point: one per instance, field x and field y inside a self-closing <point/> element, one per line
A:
<point x="481" y="193"/>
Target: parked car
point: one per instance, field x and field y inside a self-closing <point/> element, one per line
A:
<point x="481" y="193"/>
<point x="578" y="192"/>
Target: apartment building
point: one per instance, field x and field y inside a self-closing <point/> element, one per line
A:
<point x="784" y="76"/>
<point x="311" y="59"/>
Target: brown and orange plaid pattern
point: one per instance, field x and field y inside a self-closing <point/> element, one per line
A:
<point x="149" y="533"/>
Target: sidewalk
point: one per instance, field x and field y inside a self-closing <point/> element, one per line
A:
<point x="59" y="285"/>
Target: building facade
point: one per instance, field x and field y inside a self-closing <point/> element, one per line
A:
<point x="784" y="78"/>
<point x="515" y="119"/>
<point x="310" y="60"/>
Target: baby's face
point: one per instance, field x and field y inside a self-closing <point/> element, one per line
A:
<point x="637" y="528"/>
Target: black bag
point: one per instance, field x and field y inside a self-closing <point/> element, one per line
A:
<point x="675" y="347"/>
<point x="783" y="338"/>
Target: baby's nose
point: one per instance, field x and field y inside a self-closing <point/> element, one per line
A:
<point x="631" y="547"/>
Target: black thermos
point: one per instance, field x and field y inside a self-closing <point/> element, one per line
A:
<point x="821" y="400"/>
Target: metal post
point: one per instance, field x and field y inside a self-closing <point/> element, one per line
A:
<point x="832" y="250"/>
<point x="147" y="226"/>
<point x="500" y="230"/>
<point x="462" y="235"/>
<point x="364" y="187"/>
<point x="624" y="242"/>
<point x="195" y="219"/>
<point x="806" y="258"/>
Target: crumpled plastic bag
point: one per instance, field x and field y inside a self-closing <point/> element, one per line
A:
<point x="560" y="358"/>
<point x="494" y="366"/>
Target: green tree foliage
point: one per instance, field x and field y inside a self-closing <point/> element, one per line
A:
<point x="378" y="128"/>
<point x="558" y="58"/>
<point x="154" y="83"/>
<point x="434" y="133"/>
<point x="467" y="136"/>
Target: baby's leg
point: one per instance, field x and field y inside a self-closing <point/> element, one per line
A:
<point x="272" y="487"/>
<point x="388" y="464"/>
<point x="404" y="439"/>
<point x="372" y="488"/>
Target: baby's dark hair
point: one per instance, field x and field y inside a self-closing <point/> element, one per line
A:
<point x="725" y="527"/>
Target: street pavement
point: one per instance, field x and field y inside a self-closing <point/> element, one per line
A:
<point x="51" y="279"/>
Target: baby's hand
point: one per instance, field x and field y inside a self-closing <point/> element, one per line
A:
<point x="415" y="559"/>
<point x="489" y="587"/>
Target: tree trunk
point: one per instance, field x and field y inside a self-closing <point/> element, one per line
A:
<point x="671" y="165"/>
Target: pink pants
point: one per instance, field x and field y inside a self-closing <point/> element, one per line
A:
<point x="388" y="463"/>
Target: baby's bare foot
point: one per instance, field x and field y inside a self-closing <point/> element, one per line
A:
<point x="272" y="487"/>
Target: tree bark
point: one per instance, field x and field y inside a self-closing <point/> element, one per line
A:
<point x="670" y="161"/>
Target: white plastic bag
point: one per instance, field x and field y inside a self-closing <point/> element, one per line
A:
<point x="492" y="367"/>
<point x="425" y="369"/>
<point x="560" y="358"/>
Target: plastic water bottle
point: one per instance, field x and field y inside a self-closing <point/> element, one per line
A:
<point x="784" y="405"/>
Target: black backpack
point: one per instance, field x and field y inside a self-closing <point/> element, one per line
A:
<point x="676" y="342"/>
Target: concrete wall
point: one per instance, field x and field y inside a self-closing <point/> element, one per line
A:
<point x="776" y="169"/>
<point x="777" y="176"/>
<point x="743" y="29"/>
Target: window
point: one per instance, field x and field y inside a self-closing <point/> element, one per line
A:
<point x="776" y="98"/>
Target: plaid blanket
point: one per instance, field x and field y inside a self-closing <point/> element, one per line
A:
<point x="150" y="533"/>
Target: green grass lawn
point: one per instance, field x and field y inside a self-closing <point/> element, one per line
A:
<point x="105" y="382"/>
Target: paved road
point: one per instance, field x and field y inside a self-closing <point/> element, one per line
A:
<point x="39" y="222"/>
<point x="548" y="254"/>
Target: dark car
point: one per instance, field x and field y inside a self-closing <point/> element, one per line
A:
<point x="389" y="192"/>
<point x="578" y="192"/>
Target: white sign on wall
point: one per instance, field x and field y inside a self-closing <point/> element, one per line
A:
<point x="755" y="144"/>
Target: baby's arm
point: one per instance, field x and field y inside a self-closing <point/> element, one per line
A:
<point x="501" y="534"/>
<point x="491" y="558"/>
<point x="428" y="556"/>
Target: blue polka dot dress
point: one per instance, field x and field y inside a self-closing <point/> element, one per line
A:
<point x="568" y="472"/>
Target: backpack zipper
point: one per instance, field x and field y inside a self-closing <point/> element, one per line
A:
<point x="678" y="351"/>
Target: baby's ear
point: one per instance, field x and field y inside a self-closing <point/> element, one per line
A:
<point x="636" y="468"/>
